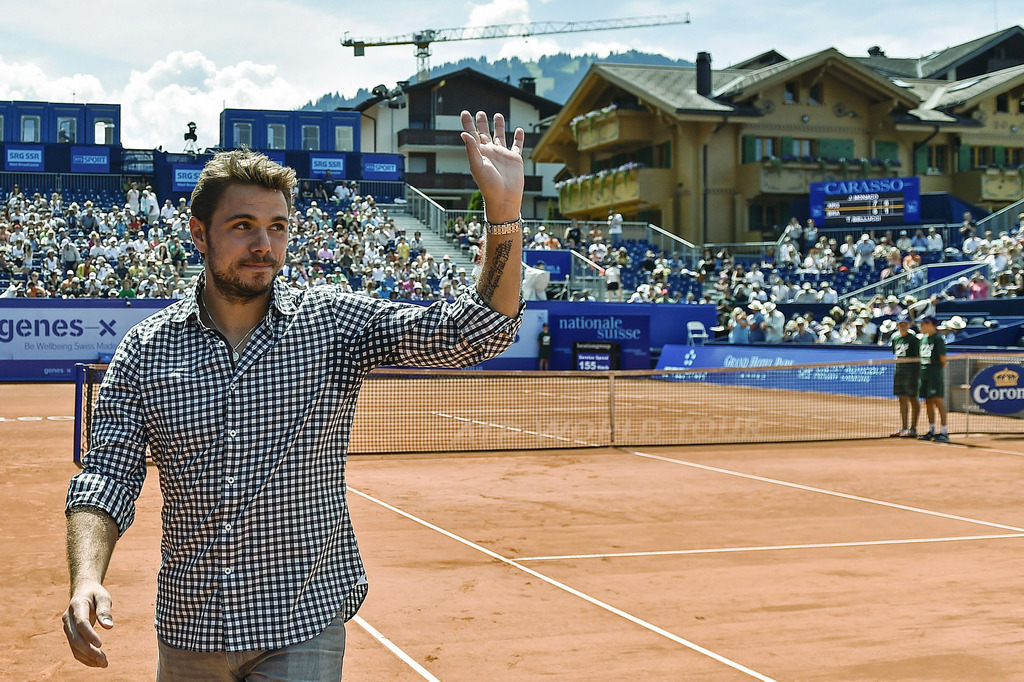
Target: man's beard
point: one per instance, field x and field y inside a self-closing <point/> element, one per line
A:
<point x="232" y="286"/>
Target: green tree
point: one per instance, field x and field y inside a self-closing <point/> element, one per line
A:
<point x="476" y="203"/>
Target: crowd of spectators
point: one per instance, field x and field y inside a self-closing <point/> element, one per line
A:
<point x="142" y="248"/>
<point x="749" y="296"/>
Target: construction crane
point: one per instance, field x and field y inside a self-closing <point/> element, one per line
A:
<point x="423" y="39"/>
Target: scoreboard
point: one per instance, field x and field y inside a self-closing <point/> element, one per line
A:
<point x="866" y="203"/>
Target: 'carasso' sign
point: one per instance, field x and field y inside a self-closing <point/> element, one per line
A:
<point x="998" y="389"/>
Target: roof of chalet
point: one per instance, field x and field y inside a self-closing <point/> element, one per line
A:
<point x="938" y="63"/>
<point x="544" y="106"/>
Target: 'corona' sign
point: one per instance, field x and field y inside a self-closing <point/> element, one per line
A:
<point x="998" y="389"/>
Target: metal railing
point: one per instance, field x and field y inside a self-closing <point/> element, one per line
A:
<point x="428" y="212"/>
<point x="896" y="285"/>
<point x="1003" y="220"/>
<point x="670" y="243"/>
<point x="939" y="285"/>
<point x="586" y="274"/>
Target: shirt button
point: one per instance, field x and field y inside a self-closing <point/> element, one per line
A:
<point x="227" y="526"/>
<point x="231" y="479"/>
<point x="227" y="571"/>
<point x="232" y="433"/>
<point x="231" y="387"/>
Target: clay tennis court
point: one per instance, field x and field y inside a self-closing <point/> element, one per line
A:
<point x="846" y="560"/>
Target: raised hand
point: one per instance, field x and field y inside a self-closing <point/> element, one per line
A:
<point x="498" y="170"/>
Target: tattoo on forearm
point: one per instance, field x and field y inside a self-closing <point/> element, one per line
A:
<point x="496" y="266"/>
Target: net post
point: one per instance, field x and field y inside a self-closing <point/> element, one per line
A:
<point x="967" y="401"/>
<point x="79" y="387"/>
<point x="611" y="406"/>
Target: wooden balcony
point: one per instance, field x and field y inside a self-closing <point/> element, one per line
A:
<point x="989" y="185"/>
<point x="411" y="137"/>
<point x="765" y="177"/>
<point x="615" y="129"/>
<point x="462" y="182"/>
<point x="592" y="197"/>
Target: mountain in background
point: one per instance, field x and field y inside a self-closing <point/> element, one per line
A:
<point x="557" y="75"/>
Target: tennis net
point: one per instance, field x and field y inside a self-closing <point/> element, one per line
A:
<point x="436" y="410"/>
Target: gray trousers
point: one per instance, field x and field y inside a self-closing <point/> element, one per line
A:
<point x="316" y="660"/>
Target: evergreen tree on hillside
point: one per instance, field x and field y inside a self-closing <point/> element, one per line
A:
<point x="557" y="74"/>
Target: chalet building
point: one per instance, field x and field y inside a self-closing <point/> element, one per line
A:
<point x="722" y="155"/>
<point x="422" y="121"/>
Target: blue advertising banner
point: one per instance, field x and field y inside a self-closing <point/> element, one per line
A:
<point x="381" y="167"/>
<point x="42" y="340"/>
<point x="23" y="158"/>
<point x="185" y="176"/>
<point x="90" y="159"/>
<point x="558" y="263"/>
<point x="866" y="203"/>
<point x="998" y="389"/>
<point x="631" y="332"/>
<point x="319" y="164"/>
<point x="276" y="157"/>
<point x="846" y="379"/>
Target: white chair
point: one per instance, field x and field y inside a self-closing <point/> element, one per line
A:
<point x="696" y="330"/>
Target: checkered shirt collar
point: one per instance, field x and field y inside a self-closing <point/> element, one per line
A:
<point x="282" y="300"/>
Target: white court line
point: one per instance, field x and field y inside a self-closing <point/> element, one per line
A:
<point x="823" y="491"/>
<point x="424" y="673"/>
<point x="986" y="448"/>
<point x="576" y="593"/>
<point x="769" y="548"/>
<point x="492" y="425"/>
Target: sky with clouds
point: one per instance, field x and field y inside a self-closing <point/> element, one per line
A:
<point x="170" y="62"/>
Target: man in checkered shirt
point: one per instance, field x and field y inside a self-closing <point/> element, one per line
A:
<point x="244" y="393"/>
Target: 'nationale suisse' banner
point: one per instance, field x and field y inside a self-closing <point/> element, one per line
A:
<point x="631" y="332"/>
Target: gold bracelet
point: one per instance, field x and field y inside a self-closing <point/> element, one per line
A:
<point x="509" y="227"/>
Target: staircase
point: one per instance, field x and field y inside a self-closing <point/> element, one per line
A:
<point x="435" y="245"/>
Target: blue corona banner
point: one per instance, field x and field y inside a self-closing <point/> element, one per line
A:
<point x="999" y="389"/>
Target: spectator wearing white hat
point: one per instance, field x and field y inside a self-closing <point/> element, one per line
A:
<point x="865" y="252"/>
<point x="774" y="323"/>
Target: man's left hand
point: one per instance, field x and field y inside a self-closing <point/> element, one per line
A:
<point x="498" y="170"/>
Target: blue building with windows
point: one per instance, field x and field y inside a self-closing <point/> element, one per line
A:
<point x="49" y="137"/>
<point x="311" y="131"/>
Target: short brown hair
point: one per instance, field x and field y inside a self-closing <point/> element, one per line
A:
<point x="238" y="167"/>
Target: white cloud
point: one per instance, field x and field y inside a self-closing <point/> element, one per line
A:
<point x="529" y="49"/>
<point x="30" y="82"/>
<point x="499" y="12"/>
<point x="187" y="86"/>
